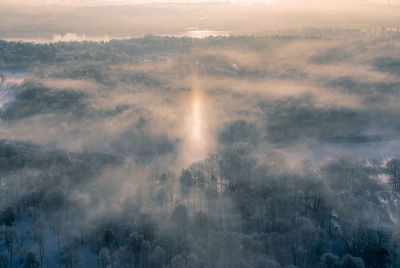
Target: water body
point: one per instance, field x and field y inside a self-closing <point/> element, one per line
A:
<point x="77" y="37"/>
<point x="324" y="151"/>
<point x="11" y="78"/>
<point x="68" y="37"/>
<point x="200" y="34"/>
<point x="6" y="95"/>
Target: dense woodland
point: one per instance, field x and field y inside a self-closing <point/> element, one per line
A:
<point x="90" y="166"/>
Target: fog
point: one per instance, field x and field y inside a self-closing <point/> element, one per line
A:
<point x="143" y="134"/>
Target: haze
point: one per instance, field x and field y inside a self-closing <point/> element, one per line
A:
<point x="191" y="134"/>
<point x="44" y="21"/>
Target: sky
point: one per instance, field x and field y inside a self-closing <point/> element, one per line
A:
<point x="241" y="2"/>
<point x="183" y="1"/>
<point x="133" y="1"/>
<point x="91" y="19"/>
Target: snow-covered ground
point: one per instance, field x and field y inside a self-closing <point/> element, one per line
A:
<point x="25" y="241"/>
<point x="390" y="203"/>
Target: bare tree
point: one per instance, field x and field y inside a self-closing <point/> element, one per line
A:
<point x="393" y="169"/>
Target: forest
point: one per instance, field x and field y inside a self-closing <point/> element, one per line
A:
<point x="236" y="151"/>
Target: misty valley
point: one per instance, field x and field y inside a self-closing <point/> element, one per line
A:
<point x="220" y="151"/>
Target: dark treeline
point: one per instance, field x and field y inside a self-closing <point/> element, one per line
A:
<point x="22" y="55"/>
<point x="18" y="55"/>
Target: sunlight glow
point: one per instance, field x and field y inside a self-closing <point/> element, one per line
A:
<point x="198" y="139"/>
<point x="196" y="122"/>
